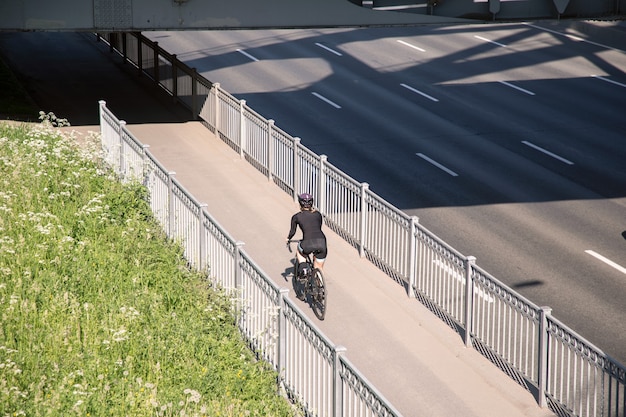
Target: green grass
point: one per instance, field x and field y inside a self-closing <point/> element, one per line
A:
<point x="99" y="315"/>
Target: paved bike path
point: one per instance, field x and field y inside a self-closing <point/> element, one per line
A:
<point x="410" y="355"/>
<point x="416" y="361"/>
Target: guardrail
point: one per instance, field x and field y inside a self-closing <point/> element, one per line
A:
<point x="563" y="370"/>
<point x="313" y="371"/>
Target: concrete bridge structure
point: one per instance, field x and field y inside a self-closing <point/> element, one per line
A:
<point x="143" y="15"/>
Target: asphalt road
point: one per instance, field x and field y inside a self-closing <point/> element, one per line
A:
<point x="506" y="140"/>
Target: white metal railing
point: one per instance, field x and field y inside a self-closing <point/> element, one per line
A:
<point x="312" y="369"/>
<point x="512" y="332"/>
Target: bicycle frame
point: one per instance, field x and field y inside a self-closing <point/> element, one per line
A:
<point x="313" y="282"/>
<point x="308" y="258"/>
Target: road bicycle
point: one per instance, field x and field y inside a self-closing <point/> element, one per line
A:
<point x="308" y="282"/>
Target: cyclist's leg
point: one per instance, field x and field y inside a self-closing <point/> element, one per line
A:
<point x="320" y="256"/>
<point x="298" y="284"/>
<point x="301" y="257"/>
<point x="300" y="254"/>
<point x="318" y="263"/>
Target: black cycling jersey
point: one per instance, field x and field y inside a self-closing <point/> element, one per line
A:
<point x="310" y="223"/>
<point x="313" y="239"/>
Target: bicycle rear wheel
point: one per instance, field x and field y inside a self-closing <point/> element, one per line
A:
<point x="319" y="294"/>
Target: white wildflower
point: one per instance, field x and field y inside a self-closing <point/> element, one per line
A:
<point x="194" y="396"/>
<point x="120" y="335"/>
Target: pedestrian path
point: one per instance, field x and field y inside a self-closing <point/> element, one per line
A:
<point x="416" y="361"/>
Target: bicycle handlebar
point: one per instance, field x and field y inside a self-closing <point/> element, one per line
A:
<point x="289" y="242"/>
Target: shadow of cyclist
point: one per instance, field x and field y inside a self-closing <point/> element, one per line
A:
<point x="297" y="286"/>
<point x="287" y="274"/>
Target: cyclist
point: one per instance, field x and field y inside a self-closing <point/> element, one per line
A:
<point x="313" y="239"/>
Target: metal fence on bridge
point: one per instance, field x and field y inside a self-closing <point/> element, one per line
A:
<point x="563" y="370"/>
<point x="312" y="370"/>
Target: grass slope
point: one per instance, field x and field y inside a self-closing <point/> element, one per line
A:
<point x="99" y="316"/>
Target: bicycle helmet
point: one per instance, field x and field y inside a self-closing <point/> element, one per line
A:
<point x="305" y="200"/>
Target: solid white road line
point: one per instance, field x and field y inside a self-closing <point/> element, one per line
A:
<point x="530" y="93"/>
<point x="608" y="80"/>
<point x="490" y="41"/>
<point x="321" y="97"/>
<point x="419" y="92"/>
<point x="411" y="46"/>
<point x="247" y="54"/>
<point x="606" y="261"/>
<point x="437" y="164"/>
<point x="329" y="49"/>
<point x="540" y="149"/>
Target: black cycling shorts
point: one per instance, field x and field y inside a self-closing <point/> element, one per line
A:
<point x="315" y="246"/>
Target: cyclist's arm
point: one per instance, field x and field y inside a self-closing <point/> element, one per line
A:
<point x="294" y="225"/>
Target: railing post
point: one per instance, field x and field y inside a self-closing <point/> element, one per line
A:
<point x="194" y="94"/>
<point x="157" y="64"/>
<point x="122" y="168"/>
<point x="470" y="261"/>
<point x="105" y="131"/>
<point x="175" y="78"/>
<point x="297" y="168"/>
<point x="242" y="127"/>
<point x="124" y="49"/>
<point x="139" y="53"/>
<point x="170" y="204"/>
<point x="321" y="191"/>
<point x="412" y="247"/>
<point x="363" y="229"/>
<point x="542" y="371"/>
<point x="282" y="333"/>
<point x="270" y="149"/>
<point x="144" y="164"/>
<point x="202" y="264"/>
<point x="238" y="280"/>
<point x="337" y="381"/>
<point x="216" y="87"/>
<point x="102" y="104"/>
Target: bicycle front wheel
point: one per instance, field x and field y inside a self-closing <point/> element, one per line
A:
<point x="298" y="286"/>
<point x="319" y="294"/>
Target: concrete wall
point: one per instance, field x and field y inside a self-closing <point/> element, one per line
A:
<point x="504" y="9"/>
<point x="141" y="15"/>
